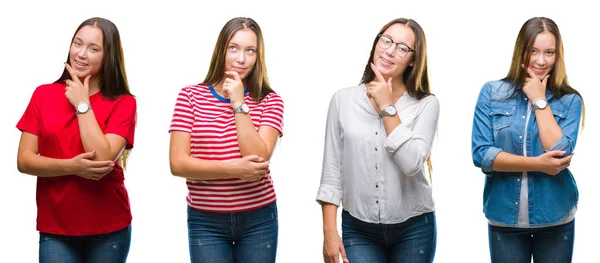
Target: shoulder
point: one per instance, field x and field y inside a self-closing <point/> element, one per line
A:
<point x="350" y="92"/>
<point x="495" y="86"/>
<point x="272" y="98"/>
<point x="52" y="88"/>
<point x="196" y="88"/>
<point x="497" y="90"/>
<point x="567" y="100"/>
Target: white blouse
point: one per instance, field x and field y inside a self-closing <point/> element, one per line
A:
<point x="378" y="178"/>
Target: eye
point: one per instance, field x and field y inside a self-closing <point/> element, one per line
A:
<point x="233" y="48"/>
<point x="386" y="40"/>
<point x="251" y="51"/>
<point x="403" y="48"/>
<point x="95" y="49"/>
<point x="533" y="51"/>
<point x="550" y="53"/>
<point x="77" y="43"/>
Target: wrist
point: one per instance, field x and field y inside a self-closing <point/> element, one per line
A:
<point x="68" y="166"/>
<point x="534" y="163"/>
<point x="327" y="230"/>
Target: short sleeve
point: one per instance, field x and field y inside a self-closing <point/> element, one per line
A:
<point x="272" y="115"/>
<point x="30" y="121"/>
<point x="122" y="120"/>
<point x="183" y="115"/>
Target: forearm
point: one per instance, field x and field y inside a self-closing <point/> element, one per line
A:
<point x="198" y="169"/>
<point x="390" y="123"/>
<point x="506" y="162"/>
<point x="329" y="217"/>
<point x="249" y="140"/>
<point x="548" y="129"/>
<point x="41" y="166"/>
<point x="92" y="137"/>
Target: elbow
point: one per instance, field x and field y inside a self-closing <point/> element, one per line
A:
<point x="412" y="171"/>
<point x="175" y="167"/>
<point x="21" y="167"/>
<point x="22" y="164"/>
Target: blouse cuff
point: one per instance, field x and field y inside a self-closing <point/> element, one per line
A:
<point x="328" y="194"/>
<point x="399" y="136"/>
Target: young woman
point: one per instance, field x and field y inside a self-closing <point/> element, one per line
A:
<point x="378" y="138"/>
<point x="73" y="132"/>
<point x="223" y="133"/>
<point x="524" y="132"/>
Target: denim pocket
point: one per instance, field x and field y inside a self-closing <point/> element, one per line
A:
<point x="502" y="116"/>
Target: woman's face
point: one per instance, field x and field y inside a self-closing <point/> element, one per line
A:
<point x="87" y="51"/>
<point x="543" y="54"/>
<point x="391" y="56"/>
<point x="241" y="53"/>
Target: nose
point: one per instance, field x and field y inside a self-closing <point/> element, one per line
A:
<point x="540" y="60"/>
<point x="81" y="52"/>
<point x="241" y="58"/>
<point x="391" y="50"/>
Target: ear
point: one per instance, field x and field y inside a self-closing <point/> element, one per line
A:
<point x="411" y="64"/>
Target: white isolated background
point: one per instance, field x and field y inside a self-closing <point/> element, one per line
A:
<point x="313" y="48"/>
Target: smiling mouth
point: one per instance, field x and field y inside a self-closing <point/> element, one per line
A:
<point x="80" y="64"/>
<point x="386" y="61"/>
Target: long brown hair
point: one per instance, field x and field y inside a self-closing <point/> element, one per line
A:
<point x="257" y="81"/>
<point x="415" y="77"/>
<point x="557" y="82"/>
<point x="113" y="78"/>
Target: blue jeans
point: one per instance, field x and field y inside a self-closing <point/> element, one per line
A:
<point x="411" y="241"/>
<point x="249" y="236"/>
<point x="546" y="244"/>
<point x="102" y="248"/>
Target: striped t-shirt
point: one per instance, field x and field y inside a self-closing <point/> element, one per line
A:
<point x="209" y="118"/>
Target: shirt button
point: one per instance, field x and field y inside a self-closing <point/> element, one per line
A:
<point x="376" y="133"/>
<point x="376" y="166"/>
<point x="516" y="203"/>
<point x="523" y="117"/>
<point x="531" y="203"/>
<point x="491" y="113"/>
<point x="560" y="115"/>
<point x="518" y="179"/>
<point x="377" y="201"/>
<point x="507" y="113"/>
<point x="525" y="98"/>
<point x="375" y="148"/>
<point x="520" y="137"/>
<point x="376" y="186"/>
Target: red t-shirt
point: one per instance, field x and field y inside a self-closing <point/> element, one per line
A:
<point x="71" y="205"/>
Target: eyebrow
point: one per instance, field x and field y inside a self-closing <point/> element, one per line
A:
<point x="236" y="44"/>
<point x="80" y="40"/>
<point x="397" y="42"/>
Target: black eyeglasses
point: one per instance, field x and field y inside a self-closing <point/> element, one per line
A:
<point x="401" y="49"/>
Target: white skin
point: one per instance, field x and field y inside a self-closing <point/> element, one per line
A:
<point x="541" y="63"/>
<point x="86" y="55"/>
<point x="387" y="87"/>
<point x="255" y="146"/>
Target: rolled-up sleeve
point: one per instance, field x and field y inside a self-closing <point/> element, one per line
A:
<point x="482" y="138"/>
<point x="330" y="189"/>
<point x="570" y="127"/>
<point x="410" y="148"/>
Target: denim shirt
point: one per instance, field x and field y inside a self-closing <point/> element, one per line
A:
<point x="499" y="125"/>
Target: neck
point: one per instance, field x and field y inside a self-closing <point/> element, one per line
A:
<point x="398" y="86"/>
<point x="94" y="84"/>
